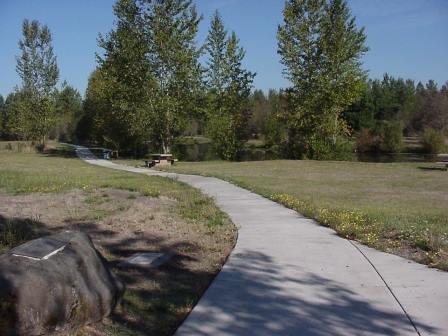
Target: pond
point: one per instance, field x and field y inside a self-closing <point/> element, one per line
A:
<point x="204" y="152"/>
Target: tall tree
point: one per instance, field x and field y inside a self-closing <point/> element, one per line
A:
<point x="39" y="72"/>
<point x="170" y="28"/>
<point x="126" y="76"/>
<point x="229" y="86"/>
<point x="320" y="47"/>
<point x="216" y="49"/>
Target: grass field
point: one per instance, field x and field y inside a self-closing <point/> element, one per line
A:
<point x="124" y="213"/>
<point x="395" y="207"/>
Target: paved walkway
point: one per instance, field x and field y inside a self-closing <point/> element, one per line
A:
<point x="289" y="276"/>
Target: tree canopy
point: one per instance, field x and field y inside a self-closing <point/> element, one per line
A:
<point x="35" y="114"/>
<point x="320" y="47"/>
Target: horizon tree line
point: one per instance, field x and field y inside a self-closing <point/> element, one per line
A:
<point x="150" y="88"/>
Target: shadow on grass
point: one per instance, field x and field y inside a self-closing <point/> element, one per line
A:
<point x="441" y="168"/>
<point x="156" y="300"/>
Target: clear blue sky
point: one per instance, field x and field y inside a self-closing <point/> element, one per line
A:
<point x="407" y="38"/>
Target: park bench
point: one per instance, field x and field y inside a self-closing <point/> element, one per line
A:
<point x="160" y="160"/>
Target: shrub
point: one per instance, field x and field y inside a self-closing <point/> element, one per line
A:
<point x="319" y="149"/>
<point x="19" y="146"/>
<point x="367" y="141"/>
<point x="391" y="137"/>
<point x="433" y="141"/>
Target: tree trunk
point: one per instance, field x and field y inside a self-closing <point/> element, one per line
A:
<point x="335" y="131"/>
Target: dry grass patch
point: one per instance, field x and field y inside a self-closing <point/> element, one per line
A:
<point x="124" y="213"/>
<point x="122" y="223"/>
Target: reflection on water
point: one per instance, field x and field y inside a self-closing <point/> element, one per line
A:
<point x="204" y="152"/>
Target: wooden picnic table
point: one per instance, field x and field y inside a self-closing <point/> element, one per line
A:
<point x="160" y="160"/>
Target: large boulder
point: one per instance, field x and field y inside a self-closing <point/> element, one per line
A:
<point x="55" y="284"/>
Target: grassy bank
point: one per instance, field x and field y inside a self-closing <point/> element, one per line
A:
<point x="395" y="207"/>
<point x="124" y="213"/>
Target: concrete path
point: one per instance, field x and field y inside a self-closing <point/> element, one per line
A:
<point x="289" y="276"/>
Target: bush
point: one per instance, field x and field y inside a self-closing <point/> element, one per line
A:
<point x="325" y="150"/>
<point x="391" y="137"/>
<point x="19" y="146"/>
<point x="433" y="141"/>
<point x="367" y="141"/>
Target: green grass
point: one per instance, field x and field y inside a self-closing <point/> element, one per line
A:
<point x="395" y="207"/>
<point x="25" y="173"/>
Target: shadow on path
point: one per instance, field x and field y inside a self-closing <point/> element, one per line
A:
<point x="265" y="302"/>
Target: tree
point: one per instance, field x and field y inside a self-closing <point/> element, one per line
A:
<point x="69" y="110"/>
<point x="3" y="132"/>
<point x="431" y="109"/>
<point x="216" y="49"/>
<point x="94" y="123"/>
<point x="361" y="114"/>
<point x="260" y="110"/>
<point x="275" y="132"/>
<point x="37" y="67"/>
<point x="11" y="113"/>
<point x="229" y="86"/>
<point x="320" y="47"/>
<point x="126" y="81"/>
<point x="170" y="29"/>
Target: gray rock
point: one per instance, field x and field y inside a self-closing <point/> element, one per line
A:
<point x="56" y="284"/>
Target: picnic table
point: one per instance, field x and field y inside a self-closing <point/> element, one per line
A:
<point x="160" y="160"/>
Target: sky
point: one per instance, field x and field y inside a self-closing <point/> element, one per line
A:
<point x="407" y="38"/>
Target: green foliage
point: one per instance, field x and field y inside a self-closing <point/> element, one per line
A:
<point x="388" y="102"/>
<point x="119" y="98"/>
<point x="394" y="98"/>
<point x="229" y="87"/>
<point x="69" y="111"/>
<point x="172" y="26"/>
<point x="391" y="136"/>
<point x="433" y="141"/>
<point x="37" y="64"/>
<point x="91" y="127"/>
<point x="320" y="47"/>
<point x="32" y="117"/>
<point x="33" y="114"/>
<point x="275" y="132"/>
<point x="148" y="81"/>
<point x="361" y="114"/>
<point x="260" y="111"/>
<point x="216" y="49"/>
